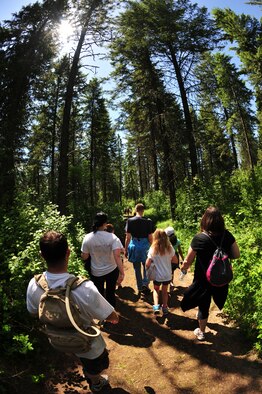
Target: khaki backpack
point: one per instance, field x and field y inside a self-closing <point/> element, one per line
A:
<point x="61" y="317"/>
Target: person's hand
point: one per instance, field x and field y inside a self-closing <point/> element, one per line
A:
<point x="185" y="265"/>
<point x="114" y="321"/>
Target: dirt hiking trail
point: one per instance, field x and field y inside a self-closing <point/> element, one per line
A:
<point x="160" y="355"/>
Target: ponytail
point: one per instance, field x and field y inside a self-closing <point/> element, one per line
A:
<point x="99" y="220"/>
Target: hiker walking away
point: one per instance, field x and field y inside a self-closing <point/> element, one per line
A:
<point x="138" y="239"/>
<point x="176" y="243"/>
<point x="54" y="249"/>
<point x="110" y="229"/>
<point x="106" y="265"/>
<point x="162" y="255"/>
<point x="202" y="247"/>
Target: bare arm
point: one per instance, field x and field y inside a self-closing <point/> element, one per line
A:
<point x="174" y="259"/>
<point x="117" y="257"/>
<point x="191" y="254"/>
<point x="150" y="238"/>
<point x="127" y="241"/>
<point x="113" y="318"/>
<point x="234" y="251"/>
<point x="84" y="256"/>
<point x="148" y="262"/>
<point x="180" y="252"/>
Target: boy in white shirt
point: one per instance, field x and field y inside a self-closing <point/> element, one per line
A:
<point x="54" y="249"/>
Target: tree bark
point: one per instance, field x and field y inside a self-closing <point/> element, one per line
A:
<point x="65" y="129"/>
<point x="188" y="120"/>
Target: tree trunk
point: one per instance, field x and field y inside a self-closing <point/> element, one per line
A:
<point x="53" y="140"/>
<point x="140" y="171"/>
<point x="232" y="140"/>
<point x="65" y="138"/>
<point x="188" y="120"/>
<point x="245" y="131"/>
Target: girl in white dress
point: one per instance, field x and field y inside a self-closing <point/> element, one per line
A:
<point x="162" y="254"/>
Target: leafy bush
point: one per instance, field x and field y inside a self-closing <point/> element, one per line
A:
<point x="245" y="291"/>
<point x="157" y="205"/>
<point x="20" y="260"/>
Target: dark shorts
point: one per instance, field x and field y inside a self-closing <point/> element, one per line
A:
<point x="161" y="283"/>
<point x="97" y="365"/>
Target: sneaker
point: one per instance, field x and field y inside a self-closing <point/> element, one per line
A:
<point x="145" y="290"/>
<point x="95" y="388"/>
<point x="156" y="309"/>
<point x="165" y="310"/>
<point x="199" y="334"/>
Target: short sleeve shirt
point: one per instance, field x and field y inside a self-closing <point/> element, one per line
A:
<point x="139" y="227"/>
<point x="100" y="245"/>
<point x="205" y="249"/>
<point x="162" y="264"/>
<point x="91" y="304"/>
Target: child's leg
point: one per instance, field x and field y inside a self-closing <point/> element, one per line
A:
<point x="164" y="295"/>
<point x="156" y="294"/>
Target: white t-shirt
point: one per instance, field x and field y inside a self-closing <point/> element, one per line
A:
<point x="162" y="264"/>
<point x="100" y="246"/>
<point x="91" y="304"/>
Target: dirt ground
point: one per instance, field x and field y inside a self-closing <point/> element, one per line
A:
<point x="160" y="355"/>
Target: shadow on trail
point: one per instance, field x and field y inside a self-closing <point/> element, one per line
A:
<point x="209" y="352"/>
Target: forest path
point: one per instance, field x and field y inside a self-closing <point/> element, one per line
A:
<point x="160" y="355"/>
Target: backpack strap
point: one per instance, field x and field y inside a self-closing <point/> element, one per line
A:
<point x="69" y="286"/>
<point x="76" y="281"/>
<point x="222" y="239"/>
<point x="41" y="281"/>
<point x="73" y="282"/>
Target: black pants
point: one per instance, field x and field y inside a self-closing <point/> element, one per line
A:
<point x="97" y="365"/>
<point x="110" y="281"/>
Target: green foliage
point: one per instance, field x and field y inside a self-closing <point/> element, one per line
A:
<point x="37" y="378"/>
<point x="159" y="205"/>
<point x="20" y="260"/>
<point x="239" y="198"/>
<point x="23" y="344"/>
<point x="245" y="291"/>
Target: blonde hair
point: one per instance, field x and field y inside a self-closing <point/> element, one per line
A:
<point x="161" y="243"/>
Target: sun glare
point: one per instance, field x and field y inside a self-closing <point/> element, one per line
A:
<point x="65" y="30"/>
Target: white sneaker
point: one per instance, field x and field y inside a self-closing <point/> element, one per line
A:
<point x="199" y="334"/>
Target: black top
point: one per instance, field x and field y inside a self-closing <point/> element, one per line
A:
<point x="205" y="249"/>
<point x="200" y="290"/>
<point x="139" y="227"/>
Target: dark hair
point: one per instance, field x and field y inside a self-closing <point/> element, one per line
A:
<point x="109" y="228"/>
<point x="53" y="246"/>
<point x="173" y="239"/>
<point x="212" y="221"/>
<point x="99" y="220"/>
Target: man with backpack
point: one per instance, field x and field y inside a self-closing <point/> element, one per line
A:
<point x="86" y="302"/>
